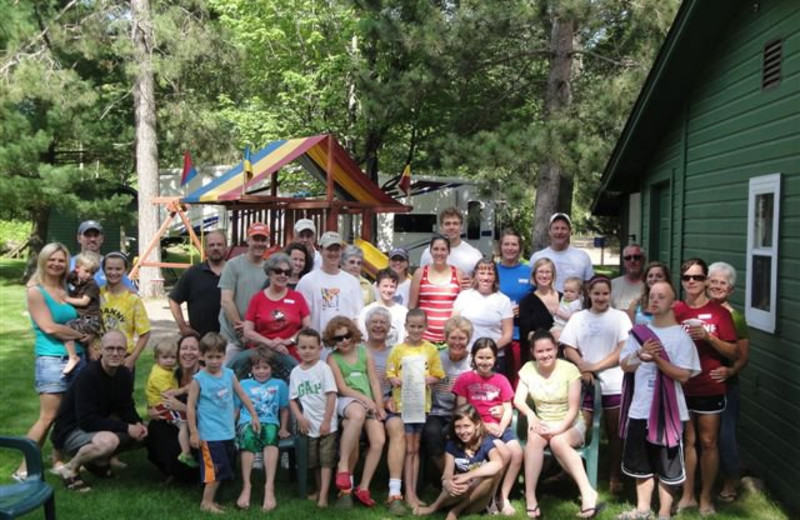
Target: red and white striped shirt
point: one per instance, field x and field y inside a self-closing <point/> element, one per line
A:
<point x="437" y="302"/>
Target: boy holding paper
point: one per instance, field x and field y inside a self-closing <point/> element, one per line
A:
<point x="412" y="368"/>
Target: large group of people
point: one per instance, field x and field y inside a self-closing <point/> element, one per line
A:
<point x="299" y="342"/>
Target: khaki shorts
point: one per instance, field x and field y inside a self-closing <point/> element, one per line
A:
<point x="322" y="451"/>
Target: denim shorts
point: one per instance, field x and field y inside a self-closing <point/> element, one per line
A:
<point x="48" y="378"/>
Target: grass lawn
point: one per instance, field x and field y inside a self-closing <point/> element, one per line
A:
<point x="137" y="492"/>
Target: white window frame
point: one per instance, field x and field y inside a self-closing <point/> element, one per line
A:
<point x="763" y="185"/>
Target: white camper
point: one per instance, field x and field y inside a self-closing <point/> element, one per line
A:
<point x="429" y="196"/>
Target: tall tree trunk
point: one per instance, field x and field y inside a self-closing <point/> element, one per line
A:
<point x="146" y="144"/>
<point x="40" y="216"/>
<point x="554" y="185"/>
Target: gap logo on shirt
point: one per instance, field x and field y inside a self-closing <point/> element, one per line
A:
<point x="309" y="388"/>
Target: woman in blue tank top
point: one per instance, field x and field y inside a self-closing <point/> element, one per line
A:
<point x="49" y="313"/>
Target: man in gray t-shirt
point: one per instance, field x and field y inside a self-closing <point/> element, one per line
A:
<point x="241" y="278"/>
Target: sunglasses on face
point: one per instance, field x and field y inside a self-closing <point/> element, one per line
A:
<point x="630" y="258"/>
<point x="695" y="277"/>
<point x="287" y="272"/>
<point x="343" y="337"/>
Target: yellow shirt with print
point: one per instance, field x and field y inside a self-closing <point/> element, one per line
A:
<point x="160" y="380"/>
<point x="124" y="312"/>
<point x="394" y="368"/>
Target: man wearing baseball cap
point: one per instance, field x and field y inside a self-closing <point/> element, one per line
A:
<point x="329" y="291"/>
<point x="305" y="232"/>
<point x="241" y="278"/>
<point x="90" y="238"/>
<point x="569" y="260"/>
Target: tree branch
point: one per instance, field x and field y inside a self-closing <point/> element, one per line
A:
<point x="626" y="62"/>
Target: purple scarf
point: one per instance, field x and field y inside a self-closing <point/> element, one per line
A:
<point x="664" y="426"/>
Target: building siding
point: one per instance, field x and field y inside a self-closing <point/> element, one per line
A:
<point x="730" y="131"/>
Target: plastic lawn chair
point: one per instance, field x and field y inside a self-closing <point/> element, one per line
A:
<point x="20" y="498"/>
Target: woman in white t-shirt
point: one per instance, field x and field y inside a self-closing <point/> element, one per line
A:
<point x="593" y="339"/>
<point x="489" y="311"/>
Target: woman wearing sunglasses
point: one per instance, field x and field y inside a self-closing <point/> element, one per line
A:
<point x="276" y="313"/>
<point x="714" y="334"/>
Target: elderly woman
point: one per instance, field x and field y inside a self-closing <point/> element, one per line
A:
<point x="352" y="261"/>
<point x="378" y="321"/>
<point x="162" y="435"/>
<point x="276" y="313"/>
<point x="122" y="309"/>
<point x="536" y="310"/>
<point x="721" y="281"/>
<point x="489" y="311"/>
<point x="49" y="312"/>
<point x="554" y="385"/>
<point x="711" y="327"/>
<point x="455" y="361"/>
<point x="435" y="287"/>
<point x="302" y="263"/>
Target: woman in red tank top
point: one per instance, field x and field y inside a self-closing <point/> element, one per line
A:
<point x="435" y="287"/>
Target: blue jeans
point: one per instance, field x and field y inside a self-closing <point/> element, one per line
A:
<point x="48" y="378"/>
<point x="728" y="448"/>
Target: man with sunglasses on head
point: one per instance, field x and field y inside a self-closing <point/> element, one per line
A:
<point x="628" y="287"/>
<point x="98" y="417"/>
<point x="569" y="261"/>
<point x="329" y="291"/>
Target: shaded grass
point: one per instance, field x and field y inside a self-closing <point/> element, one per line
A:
<point x="138" y="492"/>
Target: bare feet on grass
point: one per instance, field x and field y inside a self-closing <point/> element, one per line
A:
<point x="213" y="507"/>
<point x="243" y="502"/>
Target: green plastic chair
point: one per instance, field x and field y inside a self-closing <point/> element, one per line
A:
<point x="22" y="497"/>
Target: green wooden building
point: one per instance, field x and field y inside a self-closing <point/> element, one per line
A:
<point x="708" y="165"/>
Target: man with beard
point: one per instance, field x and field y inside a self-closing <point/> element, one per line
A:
<point x="242" y="277"/>
<point x="199" y="288"/>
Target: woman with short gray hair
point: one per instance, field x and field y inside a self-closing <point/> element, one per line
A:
<point x="721" y="281"/>
<point x="276" y="313"/>
<point x="352" y="261"/>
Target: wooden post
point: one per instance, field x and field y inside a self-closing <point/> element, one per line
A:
<point x="333" y="212"/>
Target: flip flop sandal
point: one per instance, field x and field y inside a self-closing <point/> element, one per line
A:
<point x="343" y="481"/>
<point x="364" y="496"/>
<point x="20" y="476"/>
<point x="596" y="510"/>
<point x="533" y="512"/>
<point x="76" y="484"/>
<point x="727" y="498"/>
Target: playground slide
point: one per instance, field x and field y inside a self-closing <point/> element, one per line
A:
<point x="374" y="259"/>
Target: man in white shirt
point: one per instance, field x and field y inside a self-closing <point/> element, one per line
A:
<point x="628" y="287"/>
<point x="569" y="260"/>
<point x="462" y="254"/>
<point x="329" y="291"/>
<point x="305" y="232"/>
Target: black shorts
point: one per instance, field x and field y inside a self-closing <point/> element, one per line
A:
<point x="217" y="460"/>
<point x="706" y="404"/>
<point x="641" y="459"/>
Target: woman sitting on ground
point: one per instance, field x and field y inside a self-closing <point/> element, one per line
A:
<point x="472" y="467"/>
<point x="555" y="387"/>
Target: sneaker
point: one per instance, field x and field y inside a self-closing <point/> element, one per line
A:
<point x="363" y="496"/>
<point x="186" y="458"/>
<point x="343" y="481"/>
<point x="258" y="461"/>
<point x="345" y="501"/>
<point x="396" y="505"/>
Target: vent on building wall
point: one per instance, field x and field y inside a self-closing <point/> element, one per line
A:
<point x="771" y="71"/>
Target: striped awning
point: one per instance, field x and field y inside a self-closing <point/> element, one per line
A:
<point x="350" y="183"/>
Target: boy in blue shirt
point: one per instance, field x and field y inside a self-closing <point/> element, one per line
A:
<point x="210" y="415"/>
<point x="270" y="398"/>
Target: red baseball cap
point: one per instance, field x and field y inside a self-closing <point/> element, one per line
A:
<point x="258" y="228"/>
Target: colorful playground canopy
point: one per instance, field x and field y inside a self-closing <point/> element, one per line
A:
<point x="317" y="155"/>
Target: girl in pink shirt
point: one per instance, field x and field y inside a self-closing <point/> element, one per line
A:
<point x="491" y="394"/>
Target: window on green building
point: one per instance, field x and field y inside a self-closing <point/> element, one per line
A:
<point x="763" y="211"/>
